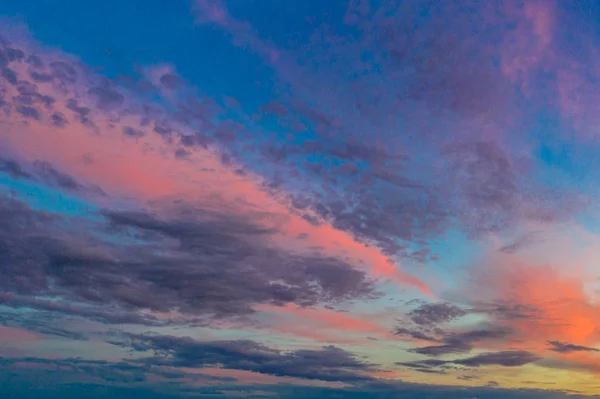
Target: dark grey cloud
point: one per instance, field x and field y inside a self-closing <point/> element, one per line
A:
<point x="19" y="249"/>
<point x="82" y="113"/>
<point x="44" y="172"/>
<point x="64" y="72"/>
<point x="35" y="61"/>
<point x="505" y="358"/>
<point x="54" y="177"/>
<point x="425" y="323"/>
<point x="132" y="132"/>
<point x="29" y="96"/>
<point x="38" y="323"/>
<point x="417" y="334"/>
<point x="58" y="119"/>
<point x="521" y="242"/>
<point x="247" y="272"/>
<point x="440" y="350"/>
<point x="40" y="77"/>
<point x="328" y="363"/>
<point x="462" y="342"/>
<point x="170" y="81"/>
<point x="13" y="168"/>
<point x="47" y="309"/>
<point x="508" y="358"/>
<point x="215" y="267"/>
<point x="430" y="314"/>
<point x="29" y="112"/>
<point x="54" y="373"/>
<point x="107" y="97"/>
<point x="564" y="347"/>
<point x="10" y="75"/>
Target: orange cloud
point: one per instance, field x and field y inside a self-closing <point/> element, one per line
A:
<point x="561" y="308"/>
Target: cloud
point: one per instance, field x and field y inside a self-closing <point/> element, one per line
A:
<point x="324" y="325"/>
<point x="383" y="137"/>
<point x="45" y="173"/>
<point x="13" y="169"/>
<point x="505" y="358"/>
<point x="511" y="358"/>
<point x="435" y="313"/>
<point x="217" y="267"/>
<point x="329" y="363"/>
<point x="12" y="336"/>
<point x="42" y="325"/>
<point x="105" y="267"/>
<point x="62" y="309"/>
<point x="562" y="347"/>
<point x="461" y="342"/>
<point x="429" y="323"/>
<point x="250" y="268"/>
<point x="52" y="373"/>
<point x="345" y="85"/>
<point x="562" y="311"/>
<point x="120" y="165"/>
<point x="34" y="377"/>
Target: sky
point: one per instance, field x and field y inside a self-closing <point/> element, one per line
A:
<point x="299" y="199"/>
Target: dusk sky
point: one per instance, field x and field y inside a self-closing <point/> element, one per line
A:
<point x="299" y="199"/>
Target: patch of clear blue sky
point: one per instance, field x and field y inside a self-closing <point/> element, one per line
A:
<point x="570" y="164"/>
<point x="117" y="35"/>
<point x="44" y="198"/>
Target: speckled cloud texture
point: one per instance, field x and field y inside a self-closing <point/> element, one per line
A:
<point x="299" y="199"/>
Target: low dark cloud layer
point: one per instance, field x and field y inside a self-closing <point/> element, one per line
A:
<point x="329" y="363"/>
<point x="217" y="267"/>
<point x="39" y="378"/>
<point x="503" y="358"/>
<point x="564" y="347"/>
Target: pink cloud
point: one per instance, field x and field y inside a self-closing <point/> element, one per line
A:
<point x="16" y="336"/>
<point x="144" y="169"/>
<point x="324" y="325"/>
<point x="528" y="45"/>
